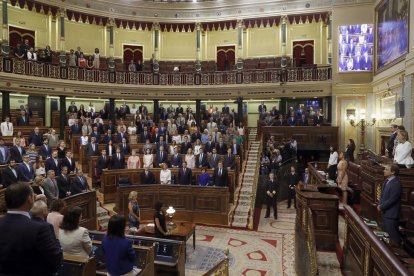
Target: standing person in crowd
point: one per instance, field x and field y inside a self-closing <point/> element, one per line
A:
<point x="390" y="202"/>
<point x="332" y="163"/>
<point x="342" y="178"/>
<point x="220" y="175"/>
<point x="55" y="216"/>
<point x="134" y="212"/>
<point x="31" y="151"/>
<point x="53" y="139"/>
<point x="25" y="170"/>
<point x="132" y="67"/>
<point x="204" y="178"/>
<point x="165" y="174"/>
<point x="184" y="175"/>
<point x="27" y="247"/>
<point x="79" y="183"/>
<point x="6" y="127"/>
<point x="63" y="183"/>
<point x="306" y="177"/>
<point x="119" y="254"/>
<point x="61" y="149"/>
<point x="403" y="150"/>
<point x="160" y="226"/>
<point x="73" y="238"/>
<point x="390" y="145"/>
<point x="271" y="196"/>
<point x="19" y="140"/>
<point x="147" y="177"/>
<point x="148" y="159"/>
<point x="133" y="161"/>
<point x="96" y="56"/>
<point x="50" y="187"/>
<point x="350" y="149"/>
<point x="39" y="166"/>
<point x="72" y="58"/>
<point x="293" y="180"/>
<point x="190" y="158"/>
<point x="9" y="175"/>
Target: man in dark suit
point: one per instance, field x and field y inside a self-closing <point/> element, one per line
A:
<point x="69" y="162"/>
<point x="45" y="150"/>
<point x="262" y="108"/>
<point x="25" y="170"/>
<point x="9" y="175"/>
<point x="109" y="137"/>
<point x="76" y="128"/>
<point x="391" y="140"/>
<point x="36" y="137"/>
<point x="143" y="109"/>
<point x="110" y="126"/>
<point x="122" y="135"/>
<point x="125" y="148"/>
<point x="53" y="163"/>
<point x="279" y="121"/>
<point x="161" y="157"/>
<point x="117" y="160"/>
<point x="196" y="136"/>
<point x="63" y="183"/>
<point x="160" y="143"/>
<point x="201" y="160"/>
<point x="220" y="176"/>
<point x="210" y="145"/>
<point x="23" y="119"/>
<point x="147" y="177"/>
<point x="236" y="149"/>
<point x="176" y="160"/>
<point x="185" y="145"/>
<point x="221" y="147"/>
<point x="27" y="247"/>
<point x="179" y="110"/>
<point x="306" y="177"/>
<point x="72" y="108"/>
<point x="229" y="161"/>
<point x="214" y="159"/>
<point x="293" y="180"/>
<point x="96" y="133"/>
<point x="4" y="153"/>
<point x="225" y="109"/>
<point x="102" y="163"/>
<point x="145" y="134"/>
<point x="390" y="202"/>
<point x="318" y="119"/>
<point x="271" y="196"/>
<point x="184" y="175"/>
<point x="303" y="121"/>
<point x="92" y="148"/>
<point x="17" y="152"/>
<point x="79" y="184"/>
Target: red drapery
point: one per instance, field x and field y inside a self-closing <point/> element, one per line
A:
<point x="133" y="52"/>
<point x="17" y="35"/>
<point x="307" y="46"/>
<point x="226" y="57"/>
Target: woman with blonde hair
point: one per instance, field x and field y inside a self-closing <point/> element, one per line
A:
<point x="190" y="159"/>
<point x="19" y="137"/>
<point x="342" y="177"/>
<point x="403" y="150"/>
<point x="134" y="212"/>
<point x="133" y="160"/>
<point x="32" y="152"/>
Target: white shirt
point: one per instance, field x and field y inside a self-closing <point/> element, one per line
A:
<point x="333" y="158"/>
<point x="84" y="140"/>
<point x="6" y="129"/>
<point x="132" y="130"/>
<point x="31" y="56"/>
<point x="403" y="154"/>
<point x="165" y="176"/>
<point x="240" y="130"/>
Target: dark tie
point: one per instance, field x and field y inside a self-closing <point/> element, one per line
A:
<point x="219" y="172"/>
<point x="8" y="126"/>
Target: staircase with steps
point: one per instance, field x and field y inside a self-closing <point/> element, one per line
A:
<point x="103" y="216"/>
<point x="242" y="212"/>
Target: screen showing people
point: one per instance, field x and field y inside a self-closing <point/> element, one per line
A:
<point x="356" y="48"/>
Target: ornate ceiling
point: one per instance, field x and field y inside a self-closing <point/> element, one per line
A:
<point x="202" y="10"/>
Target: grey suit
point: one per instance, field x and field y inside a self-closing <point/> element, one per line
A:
<point x="51" y="189"/>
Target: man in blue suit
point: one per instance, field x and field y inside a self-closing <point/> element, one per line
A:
<point x="4" y="153"/>
<point x="76" y="128"/>
<point x="27" y="247"/>
<point x="390" y="202"/>
<point x="25" y="170"/>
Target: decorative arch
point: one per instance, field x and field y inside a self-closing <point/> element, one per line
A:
<point x="135" y="52"/>
<point x="17" y="35"/>
<point x="226" y="57"/>
<point x="308" y="47"/>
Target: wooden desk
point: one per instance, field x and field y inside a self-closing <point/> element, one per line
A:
<point x="86" y="201"/>
<point x="365" y="253"/>
<point x="182" y="232"/>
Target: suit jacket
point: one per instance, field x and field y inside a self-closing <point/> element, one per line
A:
<point x="102" y="164"/>
<point x="90" y="151"/>
<point x="195" y="136"/>
<point x="71" y="165"/>
<point x="213" y="162"/>
<point x="116" y="163"/>
<point x="5" y="159"/>
<point x="147" y="179"/>
<point x="229" y="161"/>
<point x="106" y="139"/>
<point x="8" y="177"/>
<point x="63" y="185"/>
<point x="45" y="152"/>
<point x="159" y="160"/>
<point x="291" y="121"/>
<point x="36" y="139"/>
<point x="221" y="149"/>
<point x="125" y="150"/>
<point x="390" y="202"/>
<point x="51" y="189"/>
<point x="225" y="110"/>
<point x="293" y="180"/>
<point x="306" y="178"/>
<point x="317" y="120"/>
<point x="158" y="144"/>
<point x="51" y="165"/>
<point x="76" y="129"/>
<point x="22" y="121"/>
<point x="145" y="136"/>
<point x="121" y="135"/>
<point x="184" y="178"/>
<point x="185" y="147"/>
<point x="176" y="160"/>
<point x="76" y="185"/>
<point x="15" y="154"/>
<point x="31" y="253"/>
<point x="390" y="145"/>
<point x="270" y="187"/>
<point x="204" y="161"/>
<point x="220" y="180"/>
<point x="6" y="131"/>
<point x="262" y="108"/>
<point x="24" y="174"/>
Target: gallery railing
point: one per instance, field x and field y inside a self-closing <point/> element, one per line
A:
<point x="275" y="75"/>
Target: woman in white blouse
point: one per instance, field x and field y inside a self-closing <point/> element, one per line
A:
<point x="197" y="147"/>
<point x="190" y="159"/>
<point x="176" y="137"/>
<point x="84" y="140"/>
<point x="171" y="148"/>
<point x="148" y="159"/>
<point x="403" y="150"/>
<point x="132" y="129"/>
<point x="165" y="175"/>
<point x="133" y="161"/>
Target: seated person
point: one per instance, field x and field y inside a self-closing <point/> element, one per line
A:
<point x="402" y="154"/>
<point x="204" y="178"/>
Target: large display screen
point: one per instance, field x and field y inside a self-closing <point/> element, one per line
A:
<point x="356" y="48"/>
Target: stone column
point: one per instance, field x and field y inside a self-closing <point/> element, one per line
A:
<point x="62" y="119"/>
<point x="283" y="31"/>
<point x="198" y="43"/>
<point x="5" y="49"/>
<point x="111" y="61"/>
<point x="198" y="112"/>
<point x="330" y="39"/>
<point x="239" y="110"/>
<point x="112" y="110"/>
<point x="239" y="44"/>
<point x="5" y="104"/>
<point x="156" y="115"/>
<point x="62" y="56"/>
<point x="155" y="55"/>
